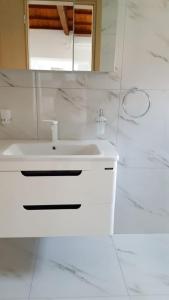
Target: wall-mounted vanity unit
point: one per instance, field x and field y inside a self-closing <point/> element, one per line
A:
<point x="70" y="35"/>
<point x="66" y="189"/>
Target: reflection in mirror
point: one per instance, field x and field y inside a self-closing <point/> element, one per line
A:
<point x="50" y="35"/>
<point x="109" y="25"/>
<point x="83" y="36"/>
<point x="96" y="40"/>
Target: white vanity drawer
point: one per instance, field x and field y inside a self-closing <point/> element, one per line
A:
<point x="83" y="187"/>
<point x="92" y="219"/>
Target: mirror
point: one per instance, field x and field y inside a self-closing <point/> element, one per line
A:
<point x="95" y="41"/>
<point x="50" y="35"/>
<point x="65" y="35"/>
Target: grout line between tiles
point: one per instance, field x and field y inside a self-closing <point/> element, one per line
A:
<point x="85" y="88"/>
<point x="118" y="119"/>
<point x="81" y="298"/>
<point x="123" y="45"/>
<point x="64" y="88"/>
<point x="143" y="168"/>
<point x="37" y="104"/>
<point x="122" y="273"/>
<point x="121" y="76"/>
<point x="81" y="88"/>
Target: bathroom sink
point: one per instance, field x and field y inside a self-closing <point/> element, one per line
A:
<point x="48" y="149"/>
<point x="67" y="154"/>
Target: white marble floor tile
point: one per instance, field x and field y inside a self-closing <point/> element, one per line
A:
<point x="17" y="257"/>
<point x="77" y="267"/>
<point x="145" y="263"/>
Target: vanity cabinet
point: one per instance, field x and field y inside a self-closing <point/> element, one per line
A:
<point x="50" y="203"/>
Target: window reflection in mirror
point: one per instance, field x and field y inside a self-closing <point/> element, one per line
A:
<point x="50" y="35"/>
<point x="83" y="36"/>
<point x="95" y="34"/>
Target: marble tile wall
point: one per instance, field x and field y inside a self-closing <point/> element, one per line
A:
<point x="143" y="142"/>
<point x="73" y="99"/>
<point x="75" y="102"/>
<point x="136" y="104"/>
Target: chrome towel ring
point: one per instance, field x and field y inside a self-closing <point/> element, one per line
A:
<point x="125" y="98"/>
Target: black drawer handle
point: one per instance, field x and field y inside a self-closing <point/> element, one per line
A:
<point x="51" y="173"/>
<point x="52" y="207"/>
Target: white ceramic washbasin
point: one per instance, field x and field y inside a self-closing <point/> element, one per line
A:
<point x="16" y="155"/>
<point x="48" y="149"/>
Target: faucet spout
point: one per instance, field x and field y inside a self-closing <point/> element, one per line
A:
<point x="54" y="130"/>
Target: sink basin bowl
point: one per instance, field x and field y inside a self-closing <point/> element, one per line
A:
<point x="48" y="149"/>
<point x="64" y="154"/>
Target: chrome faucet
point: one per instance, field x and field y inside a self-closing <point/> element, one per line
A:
<point x="54" y="129"/>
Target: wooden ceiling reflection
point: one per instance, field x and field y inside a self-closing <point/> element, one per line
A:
<point x="60" y="18"/>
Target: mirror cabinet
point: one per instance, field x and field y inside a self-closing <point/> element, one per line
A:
<point x="65" y="35"/>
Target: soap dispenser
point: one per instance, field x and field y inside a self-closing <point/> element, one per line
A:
<point x="101" y="124"/>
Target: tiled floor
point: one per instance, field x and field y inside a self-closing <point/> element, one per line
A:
<point x="125" y="267"/>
